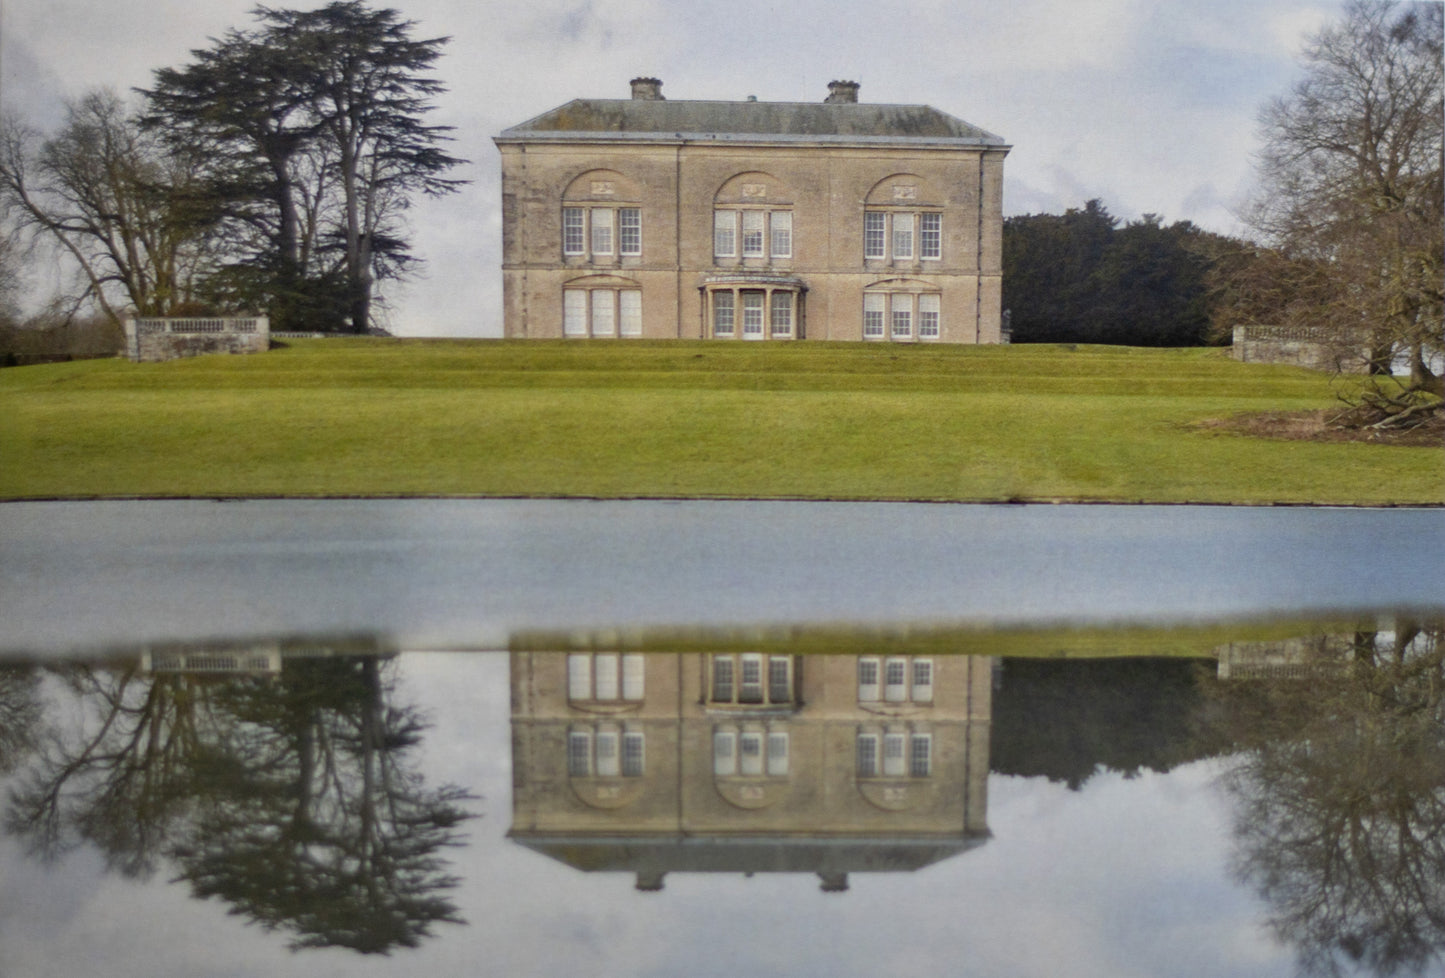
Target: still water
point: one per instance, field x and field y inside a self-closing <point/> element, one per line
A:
<point x="544" y="738"/>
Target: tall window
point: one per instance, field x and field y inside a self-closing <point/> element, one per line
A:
<point x="903" y="235"/>
<point x="930" y="236"/>
<point x="782" y="315"/>
<point x="605" y="752"/>
<point x="722" y="314"/>
<point x="896" y="679"/>
<point x="902" y="316"/>
<point x="601" y="313"/>
<point x="593" y="232"/>
<point x="574" y="231"/>
<point x="763" y="233"/>
<point x="751" y="679"/>
<point x="782" y="234"/>
<point x="605" y="677"/>
<point x="875" y="235"/>
<point x="630" y="242"/>
<point x="753" y="224"/>
<point x="874" y="304"/>
<point x="752" y="315"/>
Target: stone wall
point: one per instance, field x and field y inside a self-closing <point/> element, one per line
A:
<point x="1300" y="346"/>
<point x="154" y="340"/>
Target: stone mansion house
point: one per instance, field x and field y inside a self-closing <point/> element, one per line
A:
<point x="751" y="220"/>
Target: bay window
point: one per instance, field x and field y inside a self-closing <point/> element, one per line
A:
<point x="751" y="679"/>
<point x="753" y="313"/>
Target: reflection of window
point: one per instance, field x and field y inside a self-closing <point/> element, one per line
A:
<point x="592" y="232"/>
<point x="763" y="233"/>
<point x="896" y="679"/>
<point x="751" y="678"/>
<point x="901" y="316"/>
<point x="894" y="754"/>
<point x="604" y="677"/>
<point x="605" y="752"/>
<point x="903" y="235"/>
<point x="601" y="313"/>
<point x="750" y="752"/>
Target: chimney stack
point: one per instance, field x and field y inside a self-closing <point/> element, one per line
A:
<point x="842" y="91"/>
<point x="647" y="89"/>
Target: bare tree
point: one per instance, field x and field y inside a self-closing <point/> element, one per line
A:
<point x="114" y="200"/>
<point x="1339" y="783"/>
<point x="1350" y="196"/>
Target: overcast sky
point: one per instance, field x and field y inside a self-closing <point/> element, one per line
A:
<point x="1149" y="105"/>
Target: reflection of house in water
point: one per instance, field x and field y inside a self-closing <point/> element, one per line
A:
<point x="662" y="763"/>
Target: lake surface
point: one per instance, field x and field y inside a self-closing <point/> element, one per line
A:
<point x="451" y="737"/>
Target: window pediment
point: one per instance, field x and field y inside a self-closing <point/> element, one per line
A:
<point x="902" y="285"/>
<point x="754" y="188"/>
<point x="601" y="282"/>
<point x="601" y="186"/>
<point x="904" y="190"/>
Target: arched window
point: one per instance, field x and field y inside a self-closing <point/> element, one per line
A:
<point x="601" y="219"/>
<point x="903" y="221"/>
<point x="752" y="221"/>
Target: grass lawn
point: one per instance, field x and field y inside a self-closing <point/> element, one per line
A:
<point x="686" y="419"/>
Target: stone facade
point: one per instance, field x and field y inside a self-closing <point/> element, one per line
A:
<point x="651" y="218"/>
<point x="656" y="763"/>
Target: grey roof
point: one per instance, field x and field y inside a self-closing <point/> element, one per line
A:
<point x="676" y="120"/>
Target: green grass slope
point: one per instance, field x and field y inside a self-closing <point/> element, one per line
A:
<point x="685" y="419"/>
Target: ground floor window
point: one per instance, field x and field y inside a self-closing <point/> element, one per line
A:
<point x="601" y="313"/>
<point x="753" y="314"/>
<point x="902" y="316"/>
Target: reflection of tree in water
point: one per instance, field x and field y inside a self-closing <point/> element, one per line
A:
<point x="121" y="781"/>
<point x="19" y="713"/>
<point x="1341" y="791"/>
<point x="314" y="822"/>
<point x="292" y="798"/>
